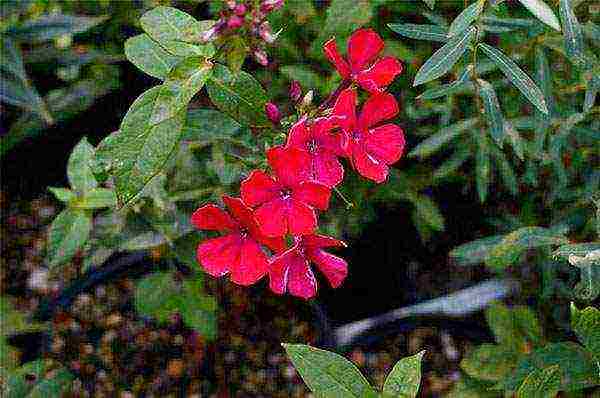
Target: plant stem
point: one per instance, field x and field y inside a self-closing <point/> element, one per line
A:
<point x="348" y="203"/>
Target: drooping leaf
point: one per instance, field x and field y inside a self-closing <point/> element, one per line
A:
<point x="443" y="59"/>
<point x="328" y="374"/>
<point x="149" y="56"/>
<point x="586" y="324"/>
<point x="79" y="168"/>
<point x="420" y="32"/>
<point x="435" y="142"/>
<point x="493" y="113"/>
<point x="543" y="12"/>
<point x="574" y="45"/>
<point x="50" y="26"/>
<point x="68" y="233"/>
<point x="541" y="383"/>
<point x="450" y="88"/>
<point x="466" y="18"/>
<point x="405" y="378"/>
<point x="240" y="96"/>
<point x="516" y="75"/>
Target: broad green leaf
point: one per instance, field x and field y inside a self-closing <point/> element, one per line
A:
<point x="420" y="32"/>
<point x="327" y="374"/>
<point x="516" y="328"/>
<point x="493" y="113"/>
<point x="482" y="166"/>
<point x="580" y="373"/>
<point x="206" y="125"/>
<point x="50" y="26"/>
<point x="444" y="58"/>
<point x="149" y="56"/>
<point x="435" y="142"/>
<point x="541" y="383"/>
<point x="405" y="378"/>
<point x="198" y="310"/>
<point x="517" y="77"/>
<point x="466" y="18"/>
<point x="240" y="96"/>
<point x="79" y="168"/>
<point x="168" y="24"/>
<point x="574" y="45"/>
<point x="586" y="324"/>
<point x="68" y="233"/>
<point x="98" y="198"/>
<point x="543" y="12"/>
<point x="63" y="194"/>
<point x="575" y="249"/>
<point x="489" y="362"/>
<point x="449" y="88"/>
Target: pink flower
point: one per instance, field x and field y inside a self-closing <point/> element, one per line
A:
<point x="323" y="148"/>
<point x="272" y="112"/>
<point x="363" y="48"/>
<point x="235" y="22"/>
<point x="238" y="252"/>
<point x="286" y="202"/>
<point x="371" y="149"/>
<point x="291" y="269"/>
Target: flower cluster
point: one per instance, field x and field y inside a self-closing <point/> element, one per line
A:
<point x="272" y="229"/>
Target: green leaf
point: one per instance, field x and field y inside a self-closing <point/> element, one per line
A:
<point x="541" y="383"/>
<point x="79" y="168"/>
<point x="580" y="373"/>
<point x="307" y="77"/>
<point x="63" y="194"/>
<point x="493" y="113"/>
<point x="508" y="23"/>
<point x="341" y="19"/>
<point x="516" y="76"/>
<point x="68" y="233"/>
<point x="482" y="166"/>
<point x="149" y="56"/>
<point x="544" y="79"/>
<point x="207" y="125"/>
<point x="466" y="18"/>
<point x="453" y="164"/>
<point x="573" y="33"/>
<point x="50" y="26"/>
<point x="515" y="139"/>
<point x="449" y="88"/>
<point x="98" y="198"/>
<point x="428" y="210"/>
<point x="516" y="328"/>
<point x="168" y="24"/>
<point x="475" y="252"/>
<point x="489" y="362"/>
<point x="405" y="378"/>
<point x="328" y="374"/>
<point x="542" y="12"/>
<point x="430" y="3"/>
<point x="586" y="324"/>
<point x="240" y="96"/>
<point x="444" y="58"/>
<point x="420" y="32"/>
<point x="507" y="173"/>
<point x="575" y="249"/>
<point x="433" y="143"/>
<point x="37" y="380"/>
<point x="588" y="287"/>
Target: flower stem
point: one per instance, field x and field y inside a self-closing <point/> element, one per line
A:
<point x="348" y="203"/>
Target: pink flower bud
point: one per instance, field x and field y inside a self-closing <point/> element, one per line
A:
<point x="272" y="112"/>
<point x="240" y="9"/>
<point x="230" y="4"/>
<point x="295" y="91"/>
<point x="270" y="5"/>
<point x="212" y="33"/>
<point x="265" y="32"/>
<point x="261" y="57"/>
<point x="235" y="22"/>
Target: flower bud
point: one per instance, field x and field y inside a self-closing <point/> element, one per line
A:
<point x="266" y="33"/>
<point x="230" y="4"/>
<point x="307" y="100"/>
<point x="295" y="91"/>
<point x="261" y="57"/>
<point x="270" y="5"/>
<point x="240" y="10"/>
<point x="212" y="33"/>
<point x="235" y="22"/>
<point x="272" y="112"/>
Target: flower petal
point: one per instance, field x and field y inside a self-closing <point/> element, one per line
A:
<point x="298" y="135"/>
<point x="385" y="143"/>
<point x="313" y="193"/>
<point x="253" y="264"/>
<point x="317" y="241"/>
<point x="213" y="218"/>
<point x="290" y="165"/>
<point x="376" y="109"/>
<point x="301" y="280"/>
<point x="327" y="169"/>
<point x="380" y="75"/>
<point x="321" y="132"/>
<point x="301" y="218"/>
<point x="219" y="255"/>
<point x="258" y="188"/>
<point x="334" y="268"/>
<point x="363" y="47"/>
<point x="272" y="217"/>
<point x="368" y="166"/>
<point x="279" y="268"/>
<point x="333" y="55"/>
<point x="345" y="108"/>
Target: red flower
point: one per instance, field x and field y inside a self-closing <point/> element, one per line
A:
<point x="291" y="269"/>
<point x="239" y="252"/>
<point x="323" y="148"/>
<point x="370" y="149"/>
<point x="285" y="202"/>
<point x="363" y="47"/>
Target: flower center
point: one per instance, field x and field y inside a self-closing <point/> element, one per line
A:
<point x="356" y="135"/>
<point x="285" y="193"/>
<point x="311" y="146"/>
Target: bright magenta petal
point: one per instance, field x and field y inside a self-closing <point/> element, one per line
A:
<point x="327" y="169"/>
<point x="313" y="193"/>
<point x="290" y="165"/>
<point x="334" y="268"/>
<point x="279" y="268"/>
<point x="333" y="55"/>
<point x="377" y="109"/>
<point x="317" y="241"/>
<point x="272" y="217"/>
<point x="367" y="166"/>
<point x="213" y="218"/>
<point x="217" y="256"/>
<point x="298" y="135"/>
<point x="380" y="75"/>
<point x="385" y="143"/>
<point x="258" y="188"/>
<point x="301" y="280"/>
<point x="301" y="218"/>
<point x="345" y="108"/>
<point x="253" y="264"/>
<point x="363" y="47"/>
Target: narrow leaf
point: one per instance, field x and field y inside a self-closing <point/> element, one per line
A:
<point x="405" y="378"/>
<point x="450" y="88"/>
<point x="420" y="32"/>
<point x="572" y="31"/>
<point x="541" y="383"/>
<point x="517" y="77"/>
<point x="482" y="167"/>
<point x="68" y="233"/>
<point x="542" y="12"/>
<point x="149" y="56"/>
<point x="444" y="58"/>
<point x="452" y="164"/>
<point x="435" y="142"/>
<point x="493" y="113"/>
<point x="79" y="168"/>
<point x="466" y="18"/>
